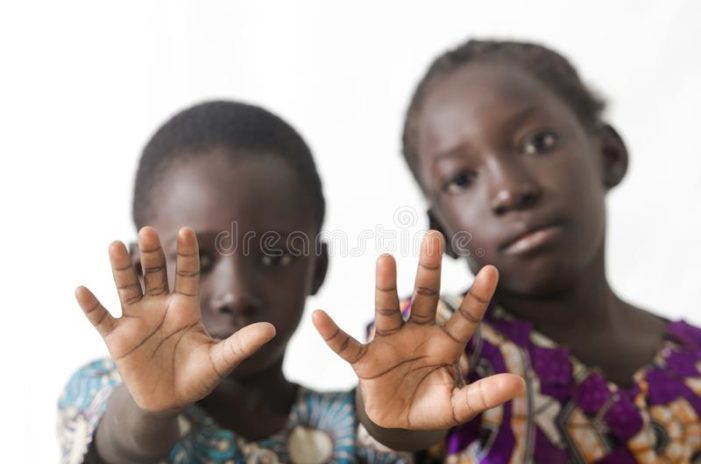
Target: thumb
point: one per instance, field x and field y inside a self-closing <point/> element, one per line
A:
<point x="227" y="354"/>
<point x="484" y="394"/>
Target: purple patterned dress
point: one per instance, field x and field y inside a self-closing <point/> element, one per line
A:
<point x="569" y="413"/>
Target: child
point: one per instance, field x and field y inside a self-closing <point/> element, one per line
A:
<point x="180" y="387"/>
<point x="511" y="151"/>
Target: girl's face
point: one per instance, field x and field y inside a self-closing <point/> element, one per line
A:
<point x="243" y="211"/>
<point x="513" y="177"/>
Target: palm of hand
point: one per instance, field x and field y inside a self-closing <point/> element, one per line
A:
<point x="408" y="375"/>
<point x="162" y="350"/>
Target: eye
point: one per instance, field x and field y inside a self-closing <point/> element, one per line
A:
<point x="206" y="262"/>
<point x="276" y="261"/>
<point x="459" y="182"/>
<point x="541" y="142"/>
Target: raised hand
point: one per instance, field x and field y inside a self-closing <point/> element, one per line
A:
<point x="408" y="374"/>
<point x="163" y="352"/>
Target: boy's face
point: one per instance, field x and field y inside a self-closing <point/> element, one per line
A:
<point x="506" y="163"/>
<point x="242" y="213"/>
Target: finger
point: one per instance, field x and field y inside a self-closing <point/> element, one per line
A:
<point x="388" y="317"/>
<point x="187" y="268"/>
<point x="227" y="354"/>
<point x="464" y="321"/>
<point x="124" y="274"/>
<point x="485" y="394"/>
<point x="428" y="279"/>
<point x="98" y="316"/>
<point x="340" y="342"/>
<point x="153" y="262"/>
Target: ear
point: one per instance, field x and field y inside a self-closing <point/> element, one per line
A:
<point x="434" y="224"/>
<point x="136" y="259"/>
<point x="320" y="267"/>
<point x="614" y="156"/>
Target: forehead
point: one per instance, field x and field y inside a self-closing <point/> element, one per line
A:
<point x="478" y="100"/>
<point x="208" y="192"/>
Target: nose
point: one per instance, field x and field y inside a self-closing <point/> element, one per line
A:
<point x="233" y="294"/>
<point x="512" y="187"/>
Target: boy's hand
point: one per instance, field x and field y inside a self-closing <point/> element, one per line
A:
<point x="164" y="355"/>
<point x="408" y="373"/>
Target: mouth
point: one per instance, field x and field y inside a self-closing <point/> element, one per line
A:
<point x="532" y="239"/>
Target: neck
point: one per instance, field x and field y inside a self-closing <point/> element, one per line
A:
<point x="589" y="303"/>
<point x="265" y="391"/>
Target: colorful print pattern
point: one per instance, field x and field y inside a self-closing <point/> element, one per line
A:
<point x="569" y="413"/>
<point x="322" y="427"/>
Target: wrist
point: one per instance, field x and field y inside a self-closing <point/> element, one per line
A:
<point x="397" y="439"/>
<point x="131" y="433"/>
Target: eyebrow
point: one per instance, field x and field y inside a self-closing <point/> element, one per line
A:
<point x="514" y="120"/>
<point x="519" y="117"/>
<point x="446" y="154"/>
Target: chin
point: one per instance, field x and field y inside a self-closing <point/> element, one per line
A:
<point x="262" y="360"/>
<point x="540" y="287"/>
<point x="538" y="278"/>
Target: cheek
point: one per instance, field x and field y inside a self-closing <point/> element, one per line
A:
<point x="585" y="194"/>
<point x="468" y="224"/>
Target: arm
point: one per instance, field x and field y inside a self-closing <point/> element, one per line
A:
<point x="128" y="433"/>
<point x="164" y="355"/>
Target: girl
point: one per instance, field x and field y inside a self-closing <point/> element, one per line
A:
<point x="195" y="373"/>
<point x="511" y="150"/>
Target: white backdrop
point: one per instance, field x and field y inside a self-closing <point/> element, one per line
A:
<point x="83" y="85"/>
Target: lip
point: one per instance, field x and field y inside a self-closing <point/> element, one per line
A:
<point x="532" y="239"/>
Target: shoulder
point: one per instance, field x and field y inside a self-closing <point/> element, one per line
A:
<point x="88" y="380"/>
<point x="81" y="405"/>
<point x="679" y="360"/>
<point x="686" y="334"/>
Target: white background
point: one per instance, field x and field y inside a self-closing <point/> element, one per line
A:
<point x="83" y="85"/>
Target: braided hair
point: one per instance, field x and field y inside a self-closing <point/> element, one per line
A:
<point x="546" y="65"/>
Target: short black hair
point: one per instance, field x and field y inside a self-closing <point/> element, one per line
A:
<point x="546" y="65"/>
<point x="240" y="130"/>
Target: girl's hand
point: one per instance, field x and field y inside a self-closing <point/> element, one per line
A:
<point x="408" y="373"/>
<point x="164" y="355"/>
